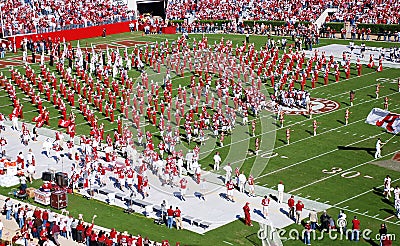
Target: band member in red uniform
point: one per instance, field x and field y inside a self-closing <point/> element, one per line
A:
<point x="359" y="67"/>
<point x="326" y="77"/>
<point x="119" y="122"/>
<point x="337" y="75"/>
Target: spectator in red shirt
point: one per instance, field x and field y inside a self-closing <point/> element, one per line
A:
<point x="93" y="238"/>
<point x="109" y="241"/>
<point x="299" y="210"/>
<point x="139" y="240"/>
<point x="45" y="217"/>
<point x="291" y="207"/>
<point x="170" y="217"/>
<point x="43" y="236"/>
<point x="101" y="239"/>
<point x="55" y="232"/>
<point x="178" y="218"/>
<point x="79" y="232"/>
<point x="307" y="233"/>
<point x="356" y="229"/>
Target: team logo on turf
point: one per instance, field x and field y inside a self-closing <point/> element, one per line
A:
<point x="396" y="157"/>
<point x="319" y="106"/>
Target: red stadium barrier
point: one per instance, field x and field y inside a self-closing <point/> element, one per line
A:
<point x="76" y="34"/>
<point x="169" y="30"/>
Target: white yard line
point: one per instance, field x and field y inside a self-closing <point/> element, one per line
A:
<point x="361" y="194"/>
<point x="346" y="170"/>
<point x="333" y="129"/>
<point x="368" y="216"/>
<point x="30" y="111"/>
<point x="388" y="218"/>
<point x="314" y="157"/>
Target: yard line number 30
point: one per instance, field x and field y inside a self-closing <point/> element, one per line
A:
<point x="347" y="175"/>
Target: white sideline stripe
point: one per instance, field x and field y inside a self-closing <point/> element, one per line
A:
<point x="227" y="242"/>
<point x="361" y="194"/>
<point x="368" y="216"/>
<point x="333" y="175"/>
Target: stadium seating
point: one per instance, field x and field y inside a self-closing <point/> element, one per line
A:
<point x="363" y="11"/>
<point x="29" y="16"/>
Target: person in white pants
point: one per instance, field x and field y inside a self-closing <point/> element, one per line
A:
<point x="378" y="148"/>
<point x="242" y="180"/>
<point x="228" y="172"/>
<point x="217" y="161"/>
<point x="281" y="189"/>
<point x="15" y="123"/>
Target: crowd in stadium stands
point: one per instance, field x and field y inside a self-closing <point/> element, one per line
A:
<point x="363" y="11"/>
<point x="47" y="226"/>
<point x="299" y="31"/>
<point x="20" y="17"/>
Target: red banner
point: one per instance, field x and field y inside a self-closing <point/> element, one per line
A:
<point x="76" y="34"/>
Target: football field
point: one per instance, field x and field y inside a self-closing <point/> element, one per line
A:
<point x="335" y="167"/>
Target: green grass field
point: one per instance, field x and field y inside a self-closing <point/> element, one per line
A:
<point x="333" y="167"/>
